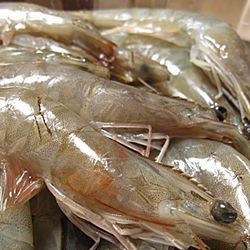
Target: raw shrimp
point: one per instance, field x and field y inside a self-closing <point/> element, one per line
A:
<point x="96" y="179"/>
<point x="186" y="80"/>
<point x="52" y="51"/>
<point x="215" y="46"/>
<point x="99" y="100"/>
<point x="16" y="228"/>
<point x="47" y="44"/>
<point x="13" y="55"/>
<point x="24" y="18"/>
<point x="219" y="167"/>
<point x="122" y="68"/>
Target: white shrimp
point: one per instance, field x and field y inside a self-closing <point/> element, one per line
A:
<point x="215" y="46"/>
<point x="98" y="180"/>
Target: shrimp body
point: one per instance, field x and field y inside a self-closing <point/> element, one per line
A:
<point x="215" y="46"/>
<point x="14" y="55"/>
<point x="99" y="100"/>
<point x="186" y="80"/>
<point x="121" y="68"/>
<point x="88" y="172"/>
<point x="47" y="44"/>
<point x="26" y="18"/>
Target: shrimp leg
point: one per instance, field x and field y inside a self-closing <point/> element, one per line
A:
<point x="129" y="140"/>
<point x="17" y="184"/>
<point x="104" y="183"/>
<point x="99" y="100"/>
<point x="71" y="207"/>
<point x="94" y="233"/>
<point x="123" y="140"/>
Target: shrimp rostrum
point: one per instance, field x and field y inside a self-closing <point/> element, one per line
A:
<point x="98" y="180"/>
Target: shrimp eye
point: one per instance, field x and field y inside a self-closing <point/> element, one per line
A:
<point x="221" y="113"/>
<point x="222" y="211"/>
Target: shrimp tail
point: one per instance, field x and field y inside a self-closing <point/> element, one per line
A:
<point x="17" y="185"/>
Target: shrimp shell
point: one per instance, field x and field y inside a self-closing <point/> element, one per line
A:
<point x="227" y="177"/>
<point x="186" y="81"/>
<point x="99" y="180"/>
<point x="215" y="46"/>
<point x="25" y="18"/>
<point x="100" y="100"/>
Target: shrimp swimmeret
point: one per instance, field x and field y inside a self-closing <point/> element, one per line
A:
<point x="98" y="180"/>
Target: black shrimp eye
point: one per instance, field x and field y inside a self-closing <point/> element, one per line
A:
<point x="222" y="211"/>
<point x="221" y="113"/>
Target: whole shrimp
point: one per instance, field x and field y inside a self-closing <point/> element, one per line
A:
<point x="98" y="180"/>
<point x="215" y="46"/>
<point x="24" y="18"/>
<point x="100" y="100"/>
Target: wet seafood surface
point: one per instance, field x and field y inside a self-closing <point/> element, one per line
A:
<point x="122" y="129"/>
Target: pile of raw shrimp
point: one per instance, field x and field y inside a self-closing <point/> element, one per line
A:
<point x="123" y="129"/>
